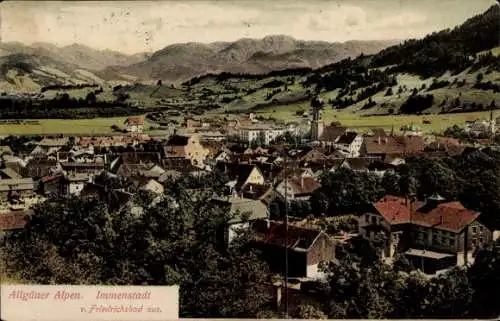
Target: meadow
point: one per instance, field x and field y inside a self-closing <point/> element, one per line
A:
<point x="94" y="126"/>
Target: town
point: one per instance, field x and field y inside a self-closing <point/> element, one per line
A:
<point x="307" y="192"/>
<point x="263" y="160"/>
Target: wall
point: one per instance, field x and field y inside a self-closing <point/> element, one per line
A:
<point x="232" y="230"/>
<point x="255" y="177"/>
<point x="76" y="188"/>
<point x="323" y="250"/>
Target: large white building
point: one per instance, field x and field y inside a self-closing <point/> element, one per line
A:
<point x="266" y="134"/>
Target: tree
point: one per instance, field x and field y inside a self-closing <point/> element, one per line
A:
<point x="74" y="241"/>
<point x="307" y="311"/>
<point x="485" y="279"/>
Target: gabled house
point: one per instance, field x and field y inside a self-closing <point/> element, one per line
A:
<point x="307" y="248"/>
<point x="187" y="147"/>
<point x="331" y="134"/>
<point x="393" y="146"/>
<point x="134" y="124"/>
<point x="243" y="212"/>
<point x="16" y="189"/>
<point x="313" y="155"/>
<point x="435" y="234"/>
<point x="297" y="187"/>
<point x="6" y="150"/>
<point x="350" y="142"/>
<point x="14" y="219"/>
<point x="241" y="175"/>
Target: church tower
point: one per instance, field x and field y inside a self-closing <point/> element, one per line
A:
<point x="317" y="125"/>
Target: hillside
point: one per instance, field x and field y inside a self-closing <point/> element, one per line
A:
<point x="28" y="73"/>
<point x="179" y="62"/>
<point x="82" y="56"/>
<point x="450" y="71"/>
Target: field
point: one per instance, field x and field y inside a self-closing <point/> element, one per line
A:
<point x="438" y="122"/>
<point x="93" y="126"/>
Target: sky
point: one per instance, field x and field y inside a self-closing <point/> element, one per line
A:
<point x="146" y="26"/>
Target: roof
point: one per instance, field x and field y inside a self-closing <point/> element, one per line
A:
<point x="134" y="121"/>
<point x="347" y="138"/>
<point x="303" y="185"/>
<point x="178" y="140"/>
<point x="9" y="172"/>
<point x="313" y="155"/>
<point x="255" y="191"/>
<point x="450" y="216"/>
<point x="296" y="238"/>
<point x="5" y="150"/>
<point x="53" y="142"/>
<point x="16" y="184"/>
<point x="331" y="133"/>
<point x="240" y="207"/>
<point x="428" y="254"/>
<point x="153" y="186"/>
<point x="14" y="219"/>
<point x="359" y="163"/>
<point x="399" y="145"/>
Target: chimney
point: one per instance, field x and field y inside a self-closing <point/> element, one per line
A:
<point x="378" y="140"/>
<point x="386" y="140"/>
<point x="301" y="181"/>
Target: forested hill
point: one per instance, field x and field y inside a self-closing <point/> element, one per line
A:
<point x="444" y="50"/>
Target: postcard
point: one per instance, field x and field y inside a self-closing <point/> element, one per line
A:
<point x="249" y="159"/>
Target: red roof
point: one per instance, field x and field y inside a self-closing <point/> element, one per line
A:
<point x="452" y="216"/>
<point x="303" y="185"/>
<point x="276" y="234"/>
<point x="134" y="121"/>
<point x="13" y="220"/>
<point x="399" y="145"/>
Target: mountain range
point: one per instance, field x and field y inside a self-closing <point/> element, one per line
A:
<point x="49" y="64"/>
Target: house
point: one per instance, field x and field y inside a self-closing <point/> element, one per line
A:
<point x="190" y="122"/>
<point x="49" y="146"/>
<point x="16" y="188"/>
<point x="187" y="147"/>
<point x="243" y="212"/>
<point x="306" y="248"/>
<point x="114" y="198"/>
<point x="8" y="172"/>
<point x="241" y="175"/>
<point x="75" y="183"/>
<point x="54" y="184"/>
<point x="434" y="235"/>
<point x="153" y="186"/>
<point x="263" y="193"/>
<point x="262" y="133"/>
<point x="134" y="124"/>
<point x="14" y="219"/>
<point x="297" y="187"/>
<point x="89" y="169"/>
<point x="6" y="150"/>
<point x="350" y="143"/>
<point x="357" y="164"/>
<point x="330" y="134"/>
<point x="393" y="145"/>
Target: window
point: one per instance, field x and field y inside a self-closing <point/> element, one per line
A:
<point x="474" y="242"/>
<point x="421" y="236"/>
<point x="374" y="220"/>
<point x="474" y="229"/>
<point x="367" y="218"/>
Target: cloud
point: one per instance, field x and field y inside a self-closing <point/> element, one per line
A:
<point x="146" y="26"/>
